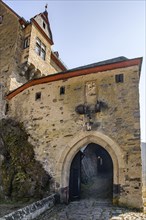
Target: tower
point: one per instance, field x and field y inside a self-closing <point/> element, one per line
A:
<point x="26" y="51"/>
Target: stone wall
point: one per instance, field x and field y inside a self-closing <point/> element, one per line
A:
<point x="33" y="210"/>
<point x="15" y="58"/>
<point x="21" y="176"/>
<point x="25" y="51"/>
<point x="52" y="123"/>
<point x="10" y="50"/>
<point x="53" y="66"/>
<point x="143" y="146"/>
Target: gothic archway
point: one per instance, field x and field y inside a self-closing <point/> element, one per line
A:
<point x="91" y="174"/>
<point x="81" y="140"/>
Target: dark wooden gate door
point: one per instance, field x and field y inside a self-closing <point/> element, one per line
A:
<point x="75" y="178"/>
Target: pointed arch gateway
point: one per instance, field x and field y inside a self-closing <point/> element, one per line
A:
<point x="71" y="150"/>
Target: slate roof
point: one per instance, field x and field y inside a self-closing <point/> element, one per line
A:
<point x="116" y="63"/>
<point x="109" y="61"/>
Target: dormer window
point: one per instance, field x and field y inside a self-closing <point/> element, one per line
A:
<point x="40" y="49"/>
<point x="44" y="25"/>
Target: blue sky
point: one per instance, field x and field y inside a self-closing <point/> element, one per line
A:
<point x="85" y="32"/>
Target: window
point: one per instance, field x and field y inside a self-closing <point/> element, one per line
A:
<point x="44" y="25"/>
<point x="38" y="96"/>
<point x="38" y="46"/>
<point x="62" y="90"/>
<point x="119" y="78"/>
<point x="26" y="42"/>
<point x="43" y="51"/>
<point x="6" y="108"/>
<point x="40" y="49"/>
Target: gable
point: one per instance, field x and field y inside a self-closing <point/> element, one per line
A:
<point x="43" y="22"/>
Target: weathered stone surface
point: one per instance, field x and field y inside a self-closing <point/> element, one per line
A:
<point x="19" y="64"/>
<point x="22" y="177"/>
<point x="91" y="210"/>
<point x="55" y="130"/>
<point x="62" y="127"/>
<point x="32" y="210"/>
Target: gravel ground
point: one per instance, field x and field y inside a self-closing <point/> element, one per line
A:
<point x="81" y="210"/>
<point x="90" y="210"/>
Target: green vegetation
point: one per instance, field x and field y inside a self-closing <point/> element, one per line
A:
<point x="22" y="177"/>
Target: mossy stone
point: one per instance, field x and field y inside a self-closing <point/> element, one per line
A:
<point x="22" y="177"/>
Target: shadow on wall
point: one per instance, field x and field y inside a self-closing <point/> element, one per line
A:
<point x="143" y="152"/>
<point x="21" y="176"/>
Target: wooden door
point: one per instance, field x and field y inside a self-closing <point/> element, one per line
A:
<point x="75" y="178"/>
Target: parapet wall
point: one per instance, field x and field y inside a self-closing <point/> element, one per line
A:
<point x="33" y="210"/>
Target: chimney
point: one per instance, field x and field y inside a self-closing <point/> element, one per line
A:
<point x="57" y="54"/>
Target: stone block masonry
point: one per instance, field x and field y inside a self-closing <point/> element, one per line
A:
<point x="10" y="54"/>
<point x="19" y="60"/>
<point x="106" y="93"/>
<point x="58" y="132"/>
<point x="33" y="210"/>
<point x="11" y="46"/>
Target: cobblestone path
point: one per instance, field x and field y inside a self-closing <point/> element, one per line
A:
<point x="90" y="210"/>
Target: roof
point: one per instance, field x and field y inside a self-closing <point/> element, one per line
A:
<point x="116" y="63"/>
<point x="109" y="61"/>
<point x="58" y="61"/>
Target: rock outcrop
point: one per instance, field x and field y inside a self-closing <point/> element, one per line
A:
<point x="21" y="176"/>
